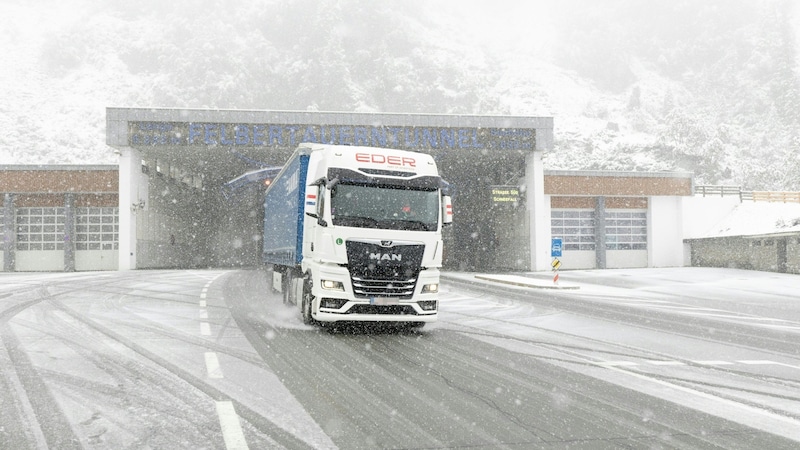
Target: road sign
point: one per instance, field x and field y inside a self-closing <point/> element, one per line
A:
<point x="555" y="247"/>
<point x="556" y="264"/>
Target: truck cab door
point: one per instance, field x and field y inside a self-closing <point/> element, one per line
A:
<point x="315" y="221"/>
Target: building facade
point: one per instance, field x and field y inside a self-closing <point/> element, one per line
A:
<point x="59" y="218"/>
<point x="67" y="218"/>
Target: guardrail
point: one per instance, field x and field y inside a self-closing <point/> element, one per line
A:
<point x="755" y="196"/>
<point x="718" y="190"/>
<point x="776" y="197"/>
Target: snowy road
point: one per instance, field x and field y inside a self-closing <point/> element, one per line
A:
<point x="668" y="358"/>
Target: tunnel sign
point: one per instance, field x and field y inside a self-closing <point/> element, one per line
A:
<point x="415" y="138"/>
<point x="555" y="247"/>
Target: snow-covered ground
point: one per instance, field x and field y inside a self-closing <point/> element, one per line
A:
<point x="706" y="217"/>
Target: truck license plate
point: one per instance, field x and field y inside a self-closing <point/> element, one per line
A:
<point x="383" y="301"/>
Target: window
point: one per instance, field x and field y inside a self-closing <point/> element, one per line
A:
<point x="40" y="229"/>
<point x="575" y="227"/>
<point x="386" y="207"/>
<point x="97" y="229"/>
<point x="626" y="230"/>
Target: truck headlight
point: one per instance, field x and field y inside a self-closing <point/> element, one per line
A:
<point x="430" y="288"/>
<point x="332" y="285"/>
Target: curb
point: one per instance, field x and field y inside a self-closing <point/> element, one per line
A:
<point x="518" y="282"/>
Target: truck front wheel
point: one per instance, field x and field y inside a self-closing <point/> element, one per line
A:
<point x="307" y="303"/>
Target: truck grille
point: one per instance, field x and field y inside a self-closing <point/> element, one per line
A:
<point x="383" y="288"/>
<point x="384" y="269"/>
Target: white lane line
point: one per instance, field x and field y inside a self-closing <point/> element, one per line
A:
<point x="666" y="363"/>
<point x="202" y="303"/>
<point x="205" y="329"/>
<point x="231" y="428"/>
<point x="700" y="363"/>
<point x="752" y="416"/>
<point x="212" y="366"/>
<point x="202" y="295"/>
<point x="759" y="362"/>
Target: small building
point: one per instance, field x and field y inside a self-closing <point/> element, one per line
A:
<point x="609" y="219"/>
<point x="758" y="234"/>
<point x="59" y="217"/>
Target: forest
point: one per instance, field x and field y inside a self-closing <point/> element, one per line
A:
<point x="709" y="87"/>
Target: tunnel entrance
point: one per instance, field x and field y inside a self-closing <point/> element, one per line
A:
<point x="174" y="164"/>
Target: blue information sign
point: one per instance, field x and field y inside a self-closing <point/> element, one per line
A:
<point x="555" y="248"/>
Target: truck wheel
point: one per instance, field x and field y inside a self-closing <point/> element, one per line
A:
<point x="306" y="303"/>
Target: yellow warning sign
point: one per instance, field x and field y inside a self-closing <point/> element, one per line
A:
<point x="556" y="264"/>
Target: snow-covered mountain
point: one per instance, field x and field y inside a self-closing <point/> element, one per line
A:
<point x="709" y="87"/>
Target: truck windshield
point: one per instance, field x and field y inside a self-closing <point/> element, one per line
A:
<point x="397" y="208"/>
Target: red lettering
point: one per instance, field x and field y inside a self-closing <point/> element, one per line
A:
<point x="376" y="158"/>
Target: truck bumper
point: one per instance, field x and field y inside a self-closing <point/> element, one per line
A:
<point x="339" y="306"/>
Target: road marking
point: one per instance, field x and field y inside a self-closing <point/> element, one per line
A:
<point x="654" y="362"/>
<point x="205" y="329"/>
<point x="769" y="322"/>
<point x="618" y="363"/>
<point x="202" y="303"/>
<point x="231" y="428"/>
<point x="212" y="366"/>
<point x="202" y="295"/>
<point x="760" y="419"/>
<point x="788" y="365"/>
<point x="666" y="363"/>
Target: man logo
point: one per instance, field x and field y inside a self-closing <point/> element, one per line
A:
<point x="385" y="256"/>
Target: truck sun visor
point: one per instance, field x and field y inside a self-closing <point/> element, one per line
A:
<point x="426" y="182"/>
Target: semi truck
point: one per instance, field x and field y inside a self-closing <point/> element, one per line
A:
<point x="355" y="234"/>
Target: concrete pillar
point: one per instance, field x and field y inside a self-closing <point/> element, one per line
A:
<point x="69" y="232"/>
<point x="600" y="233"/>
<point x="539" y="210"/>
<point x="130" y="179"/>
<point x="665" y="230"/>
<point x="9" y="234"/>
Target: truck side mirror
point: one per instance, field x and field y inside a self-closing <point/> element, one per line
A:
<point x="320" y="220"/>
<point x="447" y="210"/>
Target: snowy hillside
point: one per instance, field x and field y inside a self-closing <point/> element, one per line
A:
<point x="709" y="87"/>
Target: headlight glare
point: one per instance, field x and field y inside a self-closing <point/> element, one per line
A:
<point x="430" y="288"/>
<point x="332" y="285"/>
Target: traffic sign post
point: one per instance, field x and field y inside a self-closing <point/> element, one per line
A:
<point x="555" y="264"/>
<point x="555" y="252"/>
<point x="555" y="247"/>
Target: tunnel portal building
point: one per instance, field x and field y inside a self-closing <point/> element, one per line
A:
<point x="171" y="203"/>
